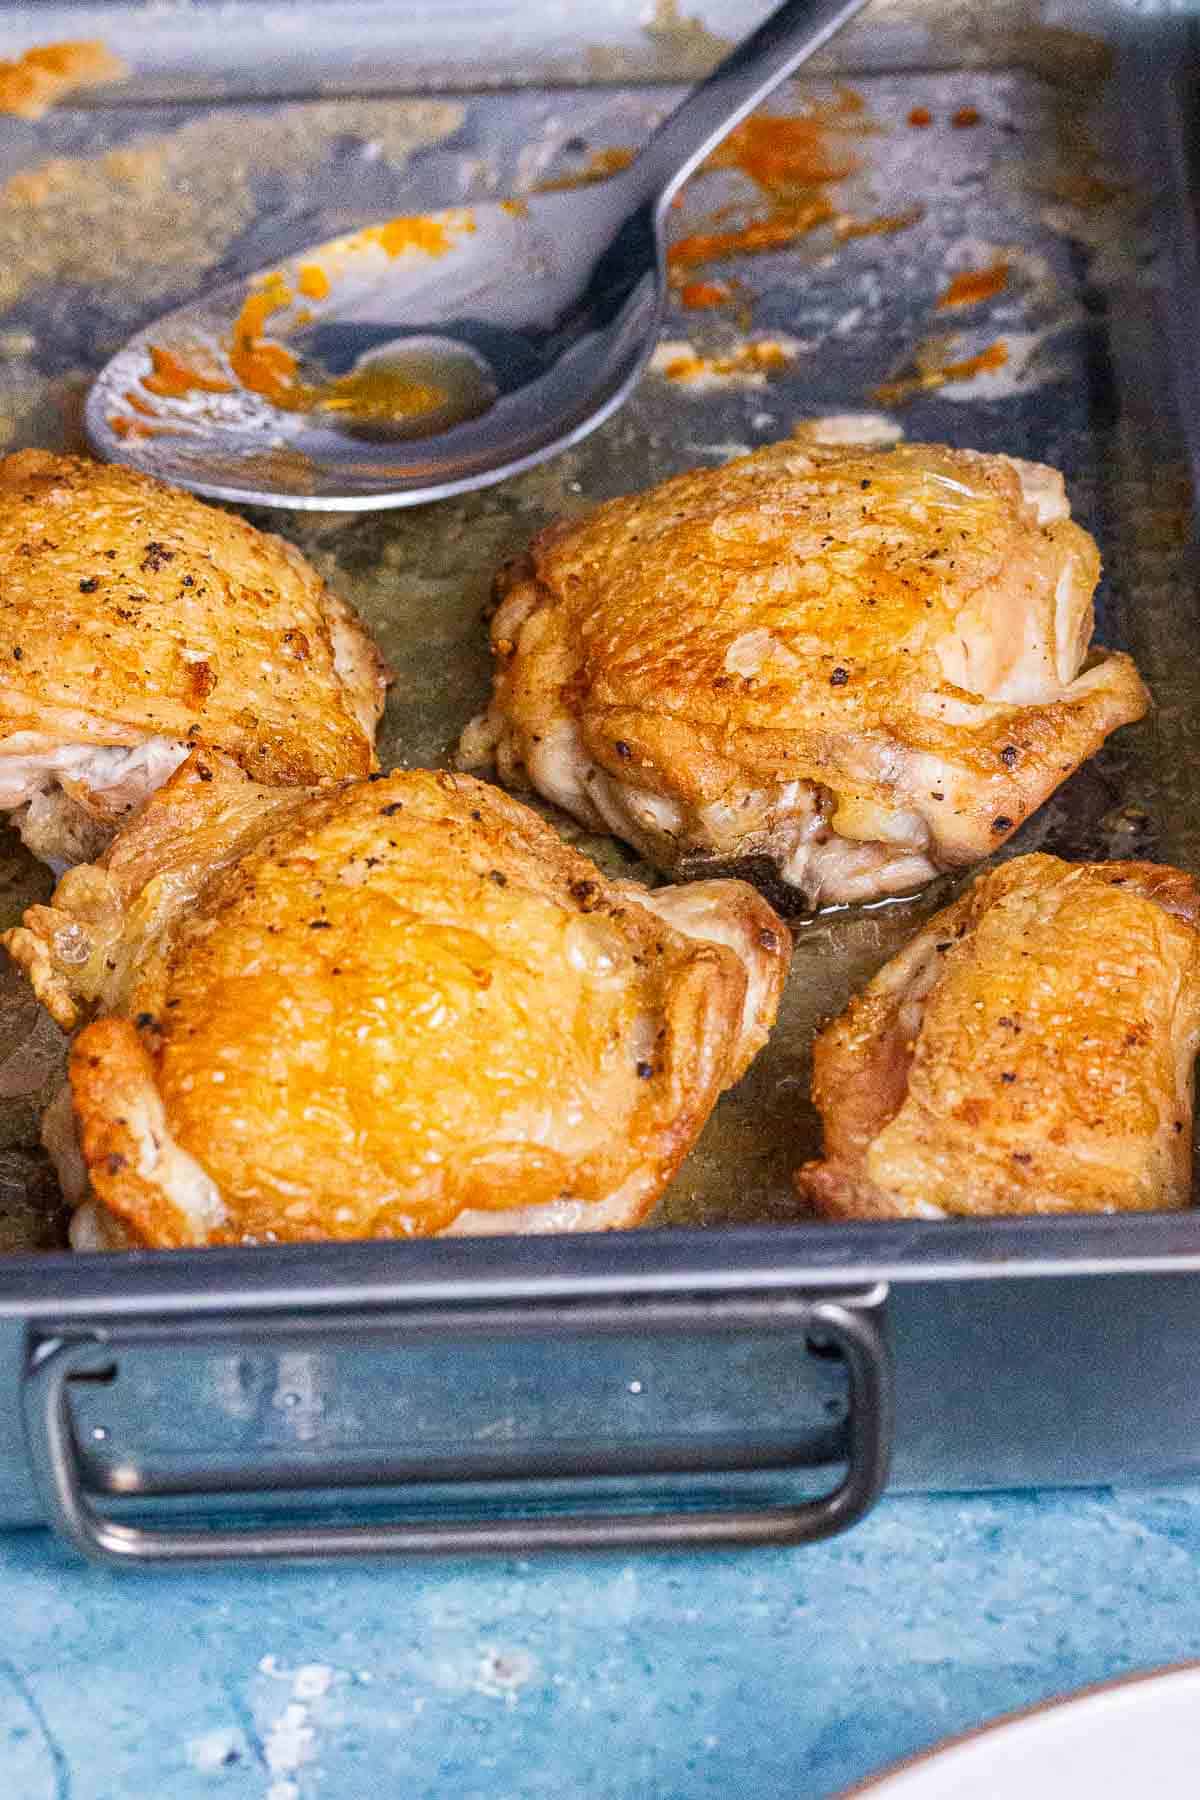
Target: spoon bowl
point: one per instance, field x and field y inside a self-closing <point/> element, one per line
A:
<point x="418" y="374"/>
<point x="422" y="357"/>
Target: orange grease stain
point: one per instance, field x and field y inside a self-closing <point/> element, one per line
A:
<point x="893" y="393"/>
<point x="792" y="160"/>
<point x="379" y="395"/>
<point x="312" y="281"/>
<point x="431" y="237"/>
<point x="920" y="117"/>
<point x="747" y="359"/>
<point x="784" y="226"/>
<point x="699" y="296"/>
<point x="782" y="154"/>
<point x="994" y="357"/>
<point x="124" y="428"/>
<point x="974" y="285"/>
<point x="264" y="366"/>
<point x="965" y="117"/>
<point x="31" y="85"/>
<point x="172" y="377"/>
<point x="269" y="369"/>
<point x="260" y="365"/>
<point x="847" y="227"/>
<point x="260" y="304"/>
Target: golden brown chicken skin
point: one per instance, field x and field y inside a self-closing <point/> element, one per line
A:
<point x="137" y="623"/>
<point x="387" y="1008"/>
<point x="1031" y="1051"/>
<point x="857" y="667"/>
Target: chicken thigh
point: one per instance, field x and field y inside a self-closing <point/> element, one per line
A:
<point x="1031" y="1051"/>
<point x="382" y="1009"/>
<point x="136" y="624"/>
<point x="846" y="669"/>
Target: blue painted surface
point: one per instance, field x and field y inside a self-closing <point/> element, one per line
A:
<point x="781" y="1673"/>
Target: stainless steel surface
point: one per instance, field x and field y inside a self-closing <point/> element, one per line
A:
<point x="1090" y="394"/>
<point x="1026" y="1351"/>
<point x="217" y="50"/>
<point x="546" y="311"/>
<point x="847" y="1330"/>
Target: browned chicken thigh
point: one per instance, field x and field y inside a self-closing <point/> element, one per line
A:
<point x="387" y="1008"/>
<point x="857" y="668"/>
<point x="137" y="623"/>
<point x="1031" y="1051"/>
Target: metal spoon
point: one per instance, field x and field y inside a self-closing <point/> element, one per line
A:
<point x="452" y="350"/>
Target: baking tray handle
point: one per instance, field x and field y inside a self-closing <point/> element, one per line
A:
<point x="58" y="1470"/>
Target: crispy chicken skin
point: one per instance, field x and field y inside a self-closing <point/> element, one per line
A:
<point x="857" y="667"/>
<point x="382" y="1009"/>
<point x="137" y="623"/>
<point x="1030" y="1051"/>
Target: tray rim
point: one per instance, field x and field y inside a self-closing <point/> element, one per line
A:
<point x="829" y="1258"/>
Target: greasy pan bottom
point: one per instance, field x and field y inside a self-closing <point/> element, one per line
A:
<point x="1085" y="381"/>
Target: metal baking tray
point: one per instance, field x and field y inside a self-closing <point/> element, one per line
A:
<point x="735" y="1373"/>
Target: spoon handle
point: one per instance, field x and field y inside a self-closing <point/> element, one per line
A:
<point x="785" y="39"/>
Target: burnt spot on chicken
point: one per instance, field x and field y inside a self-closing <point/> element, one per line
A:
<point x="587" y="895"/>
<point x="201" y="679"/>
<point x="762" y="872"/>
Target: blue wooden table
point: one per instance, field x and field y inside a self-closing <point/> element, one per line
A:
<point x="775" y="1673"/>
